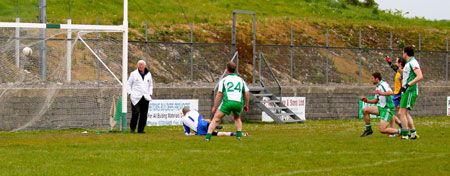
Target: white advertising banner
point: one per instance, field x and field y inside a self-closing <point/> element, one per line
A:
<point x="168" y="112"/>
<point x="296" y="104"/>
<point x="448" y="106"/>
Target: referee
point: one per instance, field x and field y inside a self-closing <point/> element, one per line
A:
<point x="140" y="89"/>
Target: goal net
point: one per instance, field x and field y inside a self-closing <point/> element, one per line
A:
<point x="71" y="78"/>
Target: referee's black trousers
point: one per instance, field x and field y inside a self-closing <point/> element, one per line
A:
<point x="139" y="113"/>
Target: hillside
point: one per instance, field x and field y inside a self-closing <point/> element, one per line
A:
<point x="169" y="21"/>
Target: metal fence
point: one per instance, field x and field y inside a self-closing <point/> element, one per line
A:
<point x="189" y="59"/>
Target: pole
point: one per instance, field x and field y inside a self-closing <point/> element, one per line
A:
<point x="124" y="65"/>
<point x="446" y="60"/>
<point x="97" y="46"/>
<point x="360" y="59"/>
<point x="292" y="54"/>
<point x="69" y="51"/>
<point x="420" y="47"/>
<point x="43" y="19"/>
<point x="192" y="52"/>
<point x="391" y="50"/>
<point x="233" y="35"/>
<point x="327" y="61"/>
<point x="146" y="42"/>
<point x="17" y="40"/>
<point x="254" y="48"/>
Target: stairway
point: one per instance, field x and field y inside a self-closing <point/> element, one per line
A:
<point x="256" y="96"/>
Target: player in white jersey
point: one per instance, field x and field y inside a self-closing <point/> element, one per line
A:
<point x="192" y="120"/>
<point x="412" y="74"/>
<point x="235" y="99"/>
<point x="385" y="109"/>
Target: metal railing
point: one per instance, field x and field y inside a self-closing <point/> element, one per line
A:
<point x="263" y="59"/>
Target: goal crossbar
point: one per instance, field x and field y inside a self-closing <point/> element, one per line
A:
<point x="109" y="28"/>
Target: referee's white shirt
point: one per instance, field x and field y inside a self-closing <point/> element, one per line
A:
<point x="138" y="87"/>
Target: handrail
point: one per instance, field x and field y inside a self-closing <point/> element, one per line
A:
<point x="235" y="55"/>
<point x="214" y="92"/>
<point x="262" y="58"/>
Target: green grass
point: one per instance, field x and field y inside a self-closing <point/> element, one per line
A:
<point x="315" y="148"/>
<point x="206" y="11"/>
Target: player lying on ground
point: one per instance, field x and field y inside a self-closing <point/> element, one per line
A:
<point x="385" y="109"/>
<point x="192" y="120"/>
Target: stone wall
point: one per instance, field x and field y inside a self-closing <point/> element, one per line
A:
<point x="61" y="108"/>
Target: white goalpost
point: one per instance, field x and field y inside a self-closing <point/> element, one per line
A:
<point x="86" y="29"/>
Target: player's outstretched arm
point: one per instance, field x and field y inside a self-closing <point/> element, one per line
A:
<point x="373" y="101"/>
<point x="384" y="93"/>
<point x="393" y="66"/>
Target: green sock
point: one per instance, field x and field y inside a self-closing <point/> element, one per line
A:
<point x="413" y="130"/>
<point x="404" y="132"/>
<point x="208" y="135"/>
<point x="368" y="127"/>
<point x="238" y="133"/>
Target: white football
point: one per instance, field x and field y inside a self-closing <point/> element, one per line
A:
<point x="27" y="51"/>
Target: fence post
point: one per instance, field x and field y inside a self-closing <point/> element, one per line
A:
<point x="233" y="35"/>
<point x="254" y="48"/>
<point x="292" y="54"/>
<point x="17" y="44"/>
<point x="390" y="53"/>
<point x="360" y="55"/>
<point x="43" y="19"/>
<point x="192" y="52"/>
<point x="420" y="47"/>
<point x="97" y="46"/>
<point x="327" y="61"/>
<point x="446" y="60"/>
<point x="69" y="52"/>
<point x="146" y="42"/>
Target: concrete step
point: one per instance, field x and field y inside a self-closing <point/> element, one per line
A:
<point x="283" y="114"/>
<point x="270" y="101"/>
<point x="293" y="121"/>
<point x="277" y="108"/>
<point x="256" y="89"/>
<point x="262" y="95"/>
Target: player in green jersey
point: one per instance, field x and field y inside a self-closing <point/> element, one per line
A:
<point x="385" y="109"/>
<point x="411" y="76"/>
<point x="235" y="97"/>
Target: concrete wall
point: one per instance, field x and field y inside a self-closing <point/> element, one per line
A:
<point x="35" y="109"/>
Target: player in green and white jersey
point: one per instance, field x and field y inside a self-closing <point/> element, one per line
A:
<point x="411" y="76"/>
<point x="385" y="109"/>
<point x="235" y="98"/>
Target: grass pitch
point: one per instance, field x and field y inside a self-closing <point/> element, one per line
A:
<point x="314" y="148"/>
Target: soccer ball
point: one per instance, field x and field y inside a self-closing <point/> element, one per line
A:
<point x="27" y="51"/>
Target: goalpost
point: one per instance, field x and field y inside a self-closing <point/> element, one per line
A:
<point x="86" y="29"/>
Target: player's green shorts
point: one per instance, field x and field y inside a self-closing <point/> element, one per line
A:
<point x="231" y="106"/>
<point x="408" y="100"/>
<point x="386" y="113"/>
